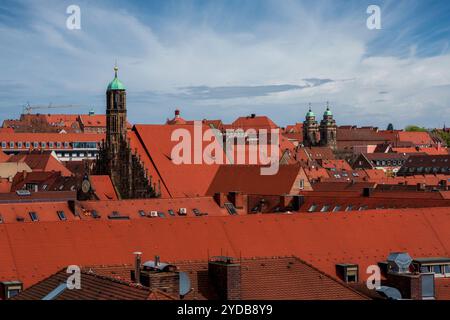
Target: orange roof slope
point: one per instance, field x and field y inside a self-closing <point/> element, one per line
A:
<point x="94" y="287"/>
<point x="131" y="208"/>
<point x="3" y="156"/>
<point x="417" y="138"/>
<point x="41" y="162"/>
<point x="254" y="122"/>
<point x="265" y="278"/>
<point x="249" y="180"/>
<point x="46" y="211"/>
<point x="184" y="180"/>
<point x="33" y="251"/>
<point x="103" y="187"/>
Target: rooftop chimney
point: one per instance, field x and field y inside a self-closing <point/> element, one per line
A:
<point x="137" y="266"/>
<point x="224" y="276"/>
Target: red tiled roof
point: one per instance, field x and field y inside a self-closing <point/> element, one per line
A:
<point x="97" y="120"/>
<point x="296" y="128"/>
<point x="442" y="288"/>
<point x="5" y="185"/>
<point x="430" y="151"/>
<point x="3" y="156"/>
<point x="103" y="187"/>
<point x="93" y="287"/>
<point x="336" y="164"/>
<point x="185" y="180"/>
<point x="417" y="138"/>
<point x="249" y="180"/>
<point x="41" y="161"/>
<point x="274" y="278"/>
<point x="46" y="211"/>
<point x="51" y="137"/>
<point x="131" y="208"/>
<point x="322" y="240"/>
<point x="257" y="122"/>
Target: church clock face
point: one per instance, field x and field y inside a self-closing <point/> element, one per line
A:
<point x="85" y="186"/>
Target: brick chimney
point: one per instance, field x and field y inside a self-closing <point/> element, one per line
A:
<point x="409" y="285"/>
<point x="224" y="275"/>
<point x="157" y="275"/>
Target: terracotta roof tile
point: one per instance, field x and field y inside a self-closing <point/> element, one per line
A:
<point x="103" y="187"/>
<point x="322" y="240"/>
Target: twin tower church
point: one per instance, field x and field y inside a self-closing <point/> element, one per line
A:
<point x="320" y="135"/>
<point x="120" y="159"/>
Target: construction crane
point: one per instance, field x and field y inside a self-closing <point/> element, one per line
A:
<point x="29" y="108"/>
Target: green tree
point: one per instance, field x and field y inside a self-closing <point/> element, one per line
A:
<point x="414" y="128"/>
<point x="444" y="135"/>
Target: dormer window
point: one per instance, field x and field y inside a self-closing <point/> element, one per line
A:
<point x="349" y="273"/>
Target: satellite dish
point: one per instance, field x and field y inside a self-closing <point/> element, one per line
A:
<point x="185" y="283"/>
<point x="390" y="293"/>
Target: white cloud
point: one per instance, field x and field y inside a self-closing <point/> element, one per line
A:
<point x="52" y="62"/>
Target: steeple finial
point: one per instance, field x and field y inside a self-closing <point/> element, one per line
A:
<point x="328" y="105"/>
<point x="309" y="105"/>
<point x="116" y="68"/>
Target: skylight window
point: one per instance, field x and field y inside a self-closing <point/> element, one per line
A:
<point x="61" y="215"/>
<point x="349" y="208"/>
<point x="171" y="212"/>
<point x="325" y="208"/>
<point x="230" y="208"/>
<point x="142" y="213"/>
<point x="95" y="214"/>
<point x="34" y="216"/>
<point x="312" y="208"/>
<point x="56" y="292"/>
<point x="337" y="208"/>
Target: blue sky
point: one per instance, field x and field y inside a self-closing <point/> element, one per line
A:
<point x="222" y="59"/>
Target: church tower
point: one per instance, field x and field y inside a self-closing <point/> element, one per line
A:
<point x="116" y="117"/>
<point x="310" y="129"/>
<point x="328" y="129"/>
<point x="116" y="158"/>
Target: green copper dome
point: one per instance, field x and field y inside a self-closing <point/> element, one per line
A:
<point x="310" y="114"/>
<point x="116" y="84"/>
<point x="328" y="112"/>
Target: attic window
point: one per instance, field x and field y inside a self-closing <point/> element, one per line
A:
<point x="347" y="272"/>
<point x="61" y="215"/>
<point x="312" y="208"/>
<point x="337" y="208"/>
<point x="325" y="208"/>
<point x="142" y="213"/>
<point x="34" y="216"/>
<point x="171" y="212"/>
<point x="349" y="208"/>
<point x="197" y="212"/>
<point x="230" y="208"/>
<point x="362" y="208"/>
<point x="95" y="214"/>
